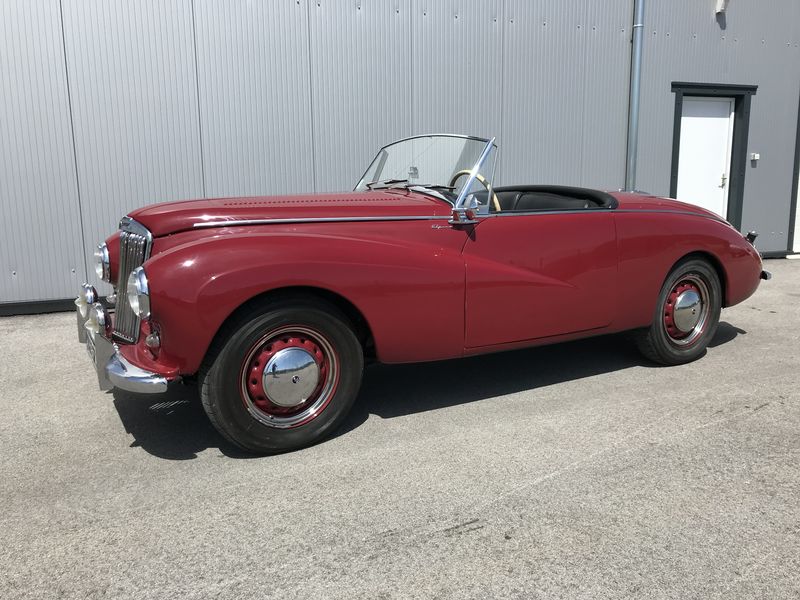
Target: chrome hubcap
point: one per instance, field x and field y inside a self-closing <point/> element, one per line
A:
<point x="687" y="310"/>
<point x="290" y="377"/>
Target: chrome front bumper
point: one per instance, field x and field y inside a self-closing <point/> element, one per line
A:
<point x="113" y="370"/>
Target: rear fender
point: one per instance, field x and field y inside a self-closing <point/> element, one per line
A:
<point x="650" y="245"/>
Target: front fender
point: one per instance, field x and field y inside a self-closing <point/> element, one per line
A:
<point x="411" y="295"/>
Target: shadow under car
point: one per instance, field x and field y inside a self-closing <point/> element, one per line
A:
<point x="174" y="426"/>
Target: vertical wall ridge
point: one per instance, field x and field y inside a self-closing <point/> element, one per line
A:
<point x="311" y="99"/>
<point x="84" y="244"/>
<point x="199" y="105"/>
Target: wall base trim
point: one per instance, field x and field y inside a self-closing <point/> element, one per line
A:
<point x="38" y="307"/>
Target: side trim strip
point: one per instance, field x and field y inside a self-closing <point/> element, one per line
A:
<point x="317" y="220"/>
<point x="445" y="218"/>
<point x="605" y="211"/>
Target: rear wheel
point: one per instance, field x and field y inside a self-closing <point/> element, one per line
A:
<point x="283" y="376"/>
<point x="686" y="316"/>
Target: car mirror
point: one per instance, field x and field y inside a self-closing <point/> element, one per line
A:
<point x="462" y="216"/>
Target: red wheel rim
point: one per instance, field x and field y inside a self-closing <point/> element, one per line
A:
<point x="686" y="310"/>
<point x="289" y="376"/>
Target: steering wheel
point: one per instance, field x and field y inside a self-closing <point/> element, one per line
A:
<point x="485" y="183"/>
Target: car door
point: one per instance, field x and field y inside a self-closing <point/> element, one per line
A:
<point x="539" y="274"/>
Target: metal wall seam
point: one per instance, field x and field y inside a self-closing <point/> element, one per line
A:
<point x="360" y="84"/>
<point x="565" y="62"/>
<point x="199" y="105"/>
<point x="84" y="244"/>
<point x="134" y="107"/>
<point x="252" y="63"/>
<point x="311" y="99"/>
<point x="457" y="47"/>
<point x="41" y="254"/>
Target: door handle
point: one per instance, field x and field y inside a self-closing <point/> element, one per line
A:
<point x="724" y="180"/>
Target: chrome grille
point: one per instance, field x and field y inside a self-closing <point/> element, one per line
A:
<point x="135" y="243"/>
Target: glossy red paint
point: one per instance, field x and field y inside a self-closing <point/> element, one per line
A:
<point x="171" y="217"/>
<point x="651" y="243"/>
<point x="426" y="289"/>
<point x="405" y="277"/>
<point x="141" y="356"/>
<point x="531" y="276"/>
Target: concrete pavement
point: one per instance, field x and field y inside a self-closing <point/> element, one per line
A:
<point x="575" y="471"/>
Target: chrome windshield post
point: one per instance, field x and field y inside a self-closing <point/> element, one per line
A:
<point x="473" y="174"/>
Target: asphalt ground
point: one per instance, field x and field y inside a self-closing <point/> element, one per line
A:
<point x="574" y="471"/>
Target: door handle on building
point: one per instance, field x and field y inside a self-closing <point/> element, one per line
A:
<point x="724" y="180"/>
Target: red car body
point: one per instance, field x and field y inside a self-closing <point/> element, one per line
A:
<point x="422" y="288"/>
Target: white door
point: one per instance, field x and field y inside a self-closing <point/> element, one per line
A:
<point x="704" y="158"/>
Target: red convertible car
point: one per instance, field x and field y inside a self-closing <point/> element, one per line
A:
<point x="274" y="304"/>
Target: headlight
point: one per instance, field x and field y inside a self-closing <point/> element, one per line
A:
<point x="102" y="264"/>
<point x="139" y="293"/>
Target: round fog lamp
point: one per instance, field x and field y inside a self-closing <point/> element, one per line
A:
<point x="86" y="297"/>
<point x="99" y="321"/>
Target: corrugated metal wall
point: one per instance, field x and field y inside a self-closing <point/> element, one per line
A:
<point x="565" y="92"/>
<point x="134" y="107"/>
<point x="755" y="44"/>
<point x="106" y="105"/>
<point x="41" y="245"/>
<point x="255" y="96"/>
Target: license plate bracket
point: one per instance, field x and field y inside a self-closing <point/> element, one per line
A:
<point x="91" y="350"/>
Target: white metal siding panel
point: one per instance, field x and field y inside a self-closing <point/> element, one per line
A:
<point x="361" y="97"/>
<point x="255" y="98"/>
<point x="456" y="75"/>
<point x="134" y="106"/>
<point x="41" y="253"/>
<point x="565" y="86"/>
<point x="756" y="44"/>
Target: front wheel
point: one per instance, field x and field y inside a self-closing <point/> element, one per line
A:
<point x="282" y="376"/>
<point x="686" y="316"/>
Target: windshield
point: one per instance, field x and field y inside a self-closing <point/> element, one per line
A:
<point x="440" y="165"/>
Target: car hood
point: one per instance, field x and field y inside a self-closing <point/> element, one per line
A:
<point x="172" y="217"/>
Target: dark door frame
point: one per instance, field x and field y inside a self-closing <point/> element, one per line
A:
<point x="741" y="128"/>
<point x="795" y="178"/>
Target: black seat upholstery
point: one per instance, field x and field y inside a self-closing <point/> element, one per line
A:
<point x="551" y="197"/>
<point x="544" y="201"/>
<point x="508" y="199"/>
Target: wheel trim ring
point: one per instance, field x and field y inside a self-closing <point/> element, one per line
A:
<point x="675" y="336"/>
<point x="316" y="403"/>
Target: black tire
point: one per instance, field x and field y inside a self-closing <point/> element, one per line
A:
<point x="663" y="342"/>
<point x="244" y="414"/>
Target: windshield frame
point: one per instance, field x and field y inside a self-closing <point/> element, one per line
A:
<point x="490" y="144"/>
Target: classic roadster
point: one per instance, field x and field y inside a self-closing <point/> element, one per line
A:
<point x="274" y="304"/>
